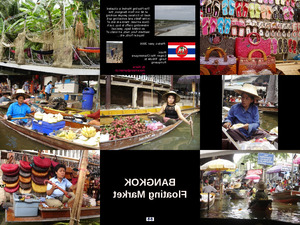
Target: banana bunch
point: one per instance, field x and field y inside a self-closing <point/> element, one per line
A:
<point x="62" y="134"/>
<point x="88" y="131"/>
<point x="71" y="135"/>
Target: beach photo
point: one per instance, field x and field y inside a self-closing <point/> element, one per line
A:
<point x="175" y="20"/>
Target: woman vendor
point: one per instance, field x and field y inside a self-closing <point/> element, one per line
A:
<point x="19" y="109"/>
<point x="96" y="117"/>
<point x="246" y="115"/>
<point x="171" y="110"/>
<point x="55" y="197"/>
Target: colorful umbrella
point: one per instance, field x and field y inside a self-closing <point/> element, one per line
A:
<point x="252" y="177"/>
<point x="188" y="79"/>
<point x="297" y="161"/>
<point x="219" y="165"/>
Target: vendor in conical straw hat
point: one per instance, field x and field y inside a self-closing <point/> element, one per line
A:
<point x="171" y="110"/>
<point x="19" y="109"/>
<point x="260" y="194"/>
<point x="246" y="115"/>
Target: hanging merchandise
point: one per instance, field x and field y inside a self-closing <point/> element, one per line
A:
<point x="256" y="65"/>
<point x="79" y="29"/>
<point x="222" y="65"/>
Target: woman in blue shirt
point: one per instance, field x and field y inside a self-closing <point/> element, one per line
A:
<point x="55" y="197"/>
<point x="19" y="109"/>
<point x="48" y="90"/>
<point x="245" y="113"/>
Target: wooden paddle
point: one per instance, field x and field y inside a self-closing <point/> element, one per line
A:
<point x="65" y="193"/>
<point x="192" y="127"/>
<point x="17" y="118"/>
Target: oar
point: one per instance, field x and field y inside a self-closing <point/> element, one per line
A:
<point x="192" y="127"/>
<point x="66" y="193"/>
<point x="18" y="118"/>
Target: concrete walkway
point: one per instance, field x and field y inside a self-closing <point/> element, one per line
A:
<point x="188" y="30"/>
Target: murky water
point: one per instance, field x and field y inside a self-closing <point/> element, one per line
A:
<point x="173" y="27"/>
<point x="177" y="139"/>
<point x="82" y="222"/>
<point x="238" y="209"/>
<point x="11" y="140"/>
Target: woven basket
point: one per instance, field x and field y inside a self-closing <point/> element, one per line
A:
<point x="39" y="188"/>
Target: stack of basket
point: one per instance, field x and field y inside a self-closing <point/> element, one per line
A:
<point x="25" y="175"/>
<point x="39" y="174"/>
<point x="10" y="175"/>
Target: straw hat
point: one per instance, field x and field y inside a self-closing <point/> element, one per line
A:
<point x="249" y="89"/>
<point x="261" y="185"/>
<point x="237" y="185"/>
<point x="165" y="96"/>
<point x="20" y="92"/>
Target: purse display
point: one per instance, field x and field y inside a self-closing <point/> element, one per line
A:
<point x="222" y="65"/>
<point x="10" y="180"/>
<point x="12" y="190"/>
<point x="39" y="180"/>
<point x="39" y="188"/>
<point x="244" y="45"/>
<point x="42" y="161"/>
<point x="24" y="185"/>
<point x="25" y="179"/>
<point x="24" y="174"/>
<point x="24" y="163"/>
<point x="10" y="167"/>
<point x="38" y="174"/>
<point x="257" y="64"/>
<point x="12" y="185"/>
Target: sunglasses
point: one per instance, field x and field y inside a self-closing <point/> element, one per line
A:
<point x="2" y="185"/>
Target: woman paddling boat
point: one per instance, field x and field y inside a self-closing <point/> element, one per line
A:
<point x="171" y="110"/>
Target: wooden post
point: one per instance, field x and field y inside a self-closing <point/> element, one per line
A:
<point x="134" y="97"/>
<point x="108" y="92"/>
<point x="76" y="209"/>
<point x="193" y="90"/>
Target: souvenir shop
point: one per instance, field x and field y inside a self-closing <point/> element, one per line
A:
<point x="250" y="37"/>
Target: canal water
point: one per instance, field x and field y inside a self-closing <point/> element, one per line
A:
<point x="177" y="139"/>
<point x="238" y="209"/>
<point x="95" y="221"/>
<point x="11" y="140"/>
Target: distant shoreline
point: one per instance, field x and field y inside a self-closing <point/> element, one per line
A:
<point x="162" y="24"/>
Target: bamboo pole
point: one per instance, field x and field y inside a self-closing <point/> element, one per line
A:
<point x="76" y="209"/>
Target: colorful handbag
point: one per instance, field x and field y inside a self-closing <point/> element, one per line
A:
<point x="222" y="65"/>
<point x="37" y="174"/>
<point x="41" y="161"/>
<point x="54" y="162"/>
<point x="39" y="169"/>
<point x="244" y="45"/>
<point x="39" y="188"/>
<point x="216" y="39"/>
<point x="12" y="185"/>
<point x="24" y="163"/>
<point x="12" y="174"/>
<point x="9" y="167"/>
<point x="12" y="190"/>
<point x="25" y="179"/>
<point x="25" y="191"/>
<point x="24" y="185"/>
<point x="24" y="174"/>
<point x="257" y="64"/>
<point x="39" y="180"/>
<point x="10" y="180"/>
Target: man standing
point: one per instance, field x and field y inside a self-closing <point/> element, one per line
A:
<point x="209" y="188"/>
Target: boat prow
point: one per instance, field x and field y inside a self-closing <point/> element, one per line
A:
<point x="205" y="201"/>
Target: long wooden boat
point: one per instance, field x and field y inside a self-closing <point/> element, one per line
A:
<point x="125" y="143"/>
<point x="286" y="197"/>
<point x="5" y="105"/>
<point x="204" y="200"/>
<point x="51" y="141"/>
<point x="260" y="205"/>
<point x="52" y="215"/>
<point x="238" y="194"/>
<point x="260" y="108"/>
<point x="68" y="112"/>
<point x="228" y="143"/>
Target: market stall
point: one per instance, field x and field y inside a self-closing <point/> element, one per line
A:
<point x="249" y="37"/>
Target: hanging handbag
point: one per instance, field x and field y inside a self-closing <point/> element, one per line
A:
<point x="10" y="167"/>
<point x="12" y="174"/>
<point x="41" y="161"/>
<point x="25" y="191"/>
<point x="38" y="174"/>
<point x="54" y="162"/>
<point x="24" y="174"/>
<point x="244" y="45"/>
<point x="25" y="185"/>
<point x="10" y="180"/>
<point x="25" y="170"/>
<point x="39" y="169"/>
<point x="39" y="188"/>
<point x="25" y="179"/>
<point x="257" y="64"/>
<point x="12" y="185"/>
<point x="12" y="190"/>
<point x="39" y="180"/>
<point x="216" y="39"/>
<point x="24" y="163"/>
<point x="222" y="65"/>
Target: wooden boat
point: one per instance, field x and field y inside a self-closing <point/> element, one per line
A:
<point x="5" y="105"/>
<point x="238" y="194"/>
<point x="286" y="197"/>
<point x="260" y="205"/>
<point x="228" y="143"/>
<point x="52" y="215"/>
<point x="260" y="108"/>
<point x="68" y="112"/>
<point x="204" y="200"/>
<point x="133" y="141"/>
<point x="52" y="141"/>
